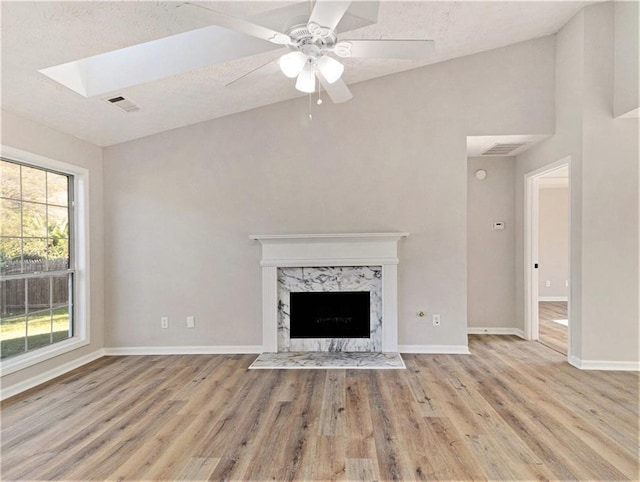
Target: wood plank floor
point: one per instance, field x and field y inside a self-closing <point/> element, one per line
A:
<point x="552" y="334"/>
<point x="513" y="410"/>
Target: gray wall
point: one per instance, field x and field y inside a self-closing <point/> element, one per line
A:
<point x="626" y="96"/>
<point x="180" y="205"/>
<point x="553" y="242"/>
<point x="567" y="141"/>
<point x="490" y="254"/>
<point x="604" y="193"/>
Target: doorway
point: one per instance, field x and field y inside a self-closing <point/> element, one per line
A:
<point x="547" y="231"/>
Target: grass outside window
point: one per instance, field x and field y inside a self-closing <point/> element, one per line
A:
<point x="20" y="333"/>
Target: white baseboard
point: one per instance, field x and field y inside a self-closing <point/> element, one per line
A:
<point x="435" y="349"/>
<point x="474" y="330"/>
<point x="604" y="365"/>
<point x="553" y="298"/>
<point x="17" y="388"/>
<point x="183" y="350"/>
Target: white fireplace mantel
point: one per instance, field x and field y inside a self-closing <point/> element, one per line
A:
<point x="340" y="249"/>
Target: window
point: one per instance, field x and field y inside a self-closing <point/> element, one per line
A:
<point x="36" y="258"/>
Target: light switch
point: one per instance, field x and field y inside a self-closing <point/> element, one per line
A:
<point x="498" y="225"/>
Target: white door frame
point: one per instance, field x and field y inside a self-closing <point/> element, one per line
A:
<point x="531" y="192"/>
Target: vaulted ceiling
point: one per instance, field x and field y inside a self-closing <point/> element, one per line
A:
<point x="37" y="35"/>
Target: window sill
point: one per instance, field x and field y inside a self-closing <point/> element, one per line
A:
<point x="20" y="362"/>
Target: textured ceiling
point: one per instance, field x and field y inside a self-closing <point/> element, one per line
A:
<point x="36" y="35"/>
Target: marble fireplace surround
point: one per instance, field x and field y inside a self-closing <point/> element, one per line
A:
<point x="330" y="250"/>
<point x="330" y="279"/>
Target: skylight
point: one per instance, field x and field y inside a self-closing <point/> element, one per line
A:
<point x="157" y="59"/>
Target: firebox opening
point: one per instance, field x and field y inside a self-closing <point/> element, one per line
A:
<point x="330" y="314"/>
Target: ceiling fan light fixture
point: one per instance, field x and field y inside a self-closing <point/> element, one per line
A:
<point x="330" y="68"/>
<point x="292" y="64"/>
<point x="306" y="81"/>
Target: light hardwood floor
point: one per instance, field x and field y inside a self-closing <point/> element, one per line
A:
<point x="513" y="410"/>
<point x="552" y="334"/>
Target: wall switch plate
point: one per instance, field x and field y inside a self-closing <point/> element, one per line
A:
<point x="191" y="322"/>
<point x="497" y="225"/>
<point x="436" y="320"/>
<point x="547" y="283"/>
<point x="164" y="322"/>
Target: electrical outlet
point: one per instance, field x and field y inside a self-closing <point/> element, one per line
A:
<point x="191" y="322"/>
<point x="436" y="320"/>
<point x="164" y="322"/>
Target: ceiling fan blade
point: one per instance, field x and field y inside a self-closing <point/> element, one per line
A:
<point x="385" y="49"/>
<point x="364" y="9"/>
<point x="338" y="91"/>
<point x="270" y="67"/>
<point x="328" y="13"/>
<point x="239" y="25"/>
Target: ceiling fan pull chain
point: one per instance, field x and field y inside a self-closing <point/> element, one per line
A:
<point x="310" y="116"/>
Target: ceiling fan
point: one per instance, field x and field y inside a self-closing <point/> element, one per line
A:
<point x="312" y="43"/>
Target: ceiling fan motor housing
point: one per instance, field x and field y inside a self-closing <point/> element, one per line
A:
<point x="310" y="44"/>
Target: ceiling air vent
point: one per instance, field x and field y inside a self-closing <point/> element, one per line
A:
<point x="122" y="103"/>
<point x="503" y="149"/>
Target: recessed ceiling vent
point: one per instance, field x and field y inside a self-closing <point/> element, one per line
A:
<point x="503" y="149"/>
<point x="122" y="103"/>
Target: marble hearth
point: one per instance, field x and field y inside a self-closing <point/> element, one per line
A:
<point x="330" y="262"/>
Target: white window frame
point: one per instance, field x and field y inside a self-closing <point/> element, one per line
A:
<point x="81" y="330"/>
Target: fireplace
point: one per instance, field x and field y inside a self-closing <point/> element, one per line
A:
<point x="340" y="314"/>
<point x="334" y="263"/>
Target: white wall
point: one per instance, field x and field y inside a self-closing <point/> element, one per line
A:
<point x="553" y="242"/>
<point x="180" y="205"/>
<point x="490" y="254"/>
<point x="23" y="134"/>
<point x="626" y="58"/>
<point x="604" y="194"/>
